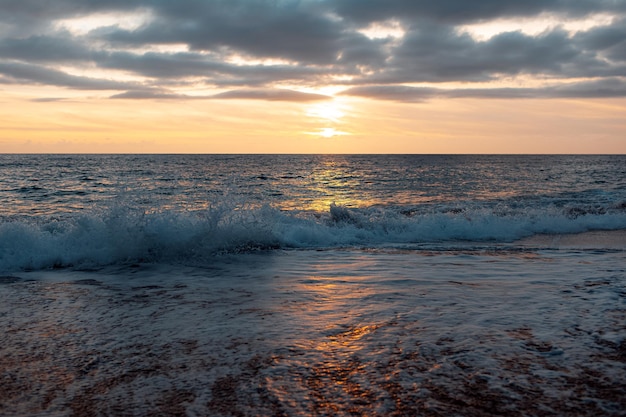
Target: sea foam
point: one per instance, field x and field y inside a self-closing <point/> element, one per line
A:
<point x="125" y="234"/>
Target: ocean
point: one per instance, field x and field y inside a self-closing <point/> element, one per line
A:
<point x="297" y="285"/>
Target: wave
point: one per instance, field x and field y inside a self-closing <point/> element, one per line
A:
<point x="125" y="234"/>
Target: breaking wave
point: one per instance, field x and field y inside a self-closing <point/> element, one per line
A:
<point x="125" y="234"/>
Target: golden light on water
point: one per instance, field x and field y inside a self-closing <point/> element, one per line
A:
<point x="333" y="183"/>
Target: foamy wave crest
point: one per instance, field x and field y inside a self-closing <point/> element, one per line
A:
<point x="126" y="235"/>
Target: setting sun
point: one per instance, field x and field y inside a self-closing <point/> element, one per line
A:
<point x="329" y="132"/>
<point x="331" y="111"/>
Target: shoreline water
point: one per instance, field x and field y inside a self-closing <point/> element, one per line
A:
<point x="595" y="239"/>
<point x="320" y="332"/>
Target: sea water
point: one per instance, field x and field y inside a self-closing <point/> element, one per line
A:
<point x="312" y="285"/>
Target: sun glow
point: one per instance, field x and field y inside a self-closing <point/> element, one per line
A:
<point x="329" y="132"/>
<point x="329" y="114"/>
<point x="331" y="110"/>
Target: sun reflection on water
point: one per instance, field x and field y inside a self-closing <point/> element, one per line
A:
<point x="336" y="341"/>
<point x="336" y="182"/>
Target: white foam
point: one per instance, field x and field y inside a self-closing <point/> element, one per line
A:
<point x="125" y="234"/>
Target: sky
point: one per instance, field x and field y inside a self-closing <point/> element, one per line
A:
<point x="313" y="76"/>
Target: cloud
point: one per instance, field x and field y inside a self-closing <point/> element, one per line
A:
<point x="277" y="94"/>
<point x="609" y="40"/>
<point x="436" y="53"/>
<point x="463" y="11"/>
<point x="169" y="66"/>
<point x="245" y="11"/>
<point x="285" y="29"/>
<point x="393" y="92"/>
<point x="253" y="46"/>
<point x="609" y="87"/>
<point x="21" y="10"/>
<point x="149" y="94"/>
<point x="48" y="99"/>
<point x="605" y="88"/>
<point x="22" y="73"/>
<point x="58" y="47"/>
<point x="272" y="95"/>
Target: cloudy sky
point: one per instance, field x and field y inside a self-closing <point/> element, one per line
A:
<point x="324" y="76"/>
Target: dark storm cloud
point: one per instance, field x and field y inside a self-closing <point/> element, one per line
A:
<point x="311" y="42"/>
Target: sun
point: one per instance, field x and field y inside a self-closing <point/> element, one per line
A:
<point x="327" y="111"/>
<point x="329" y="115"/>
<point x="327" y="132"/>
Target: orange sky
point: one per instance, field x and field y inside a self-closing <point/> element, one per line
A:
<point x="101" y="81"/>
<point x="365" y="126"/>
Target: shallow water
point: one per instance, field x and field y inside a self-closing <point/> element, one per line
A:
<point x="526" y="331"/>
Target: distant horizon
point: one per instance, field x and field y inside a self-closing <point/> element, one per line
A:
<point x="311" y="153"/>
